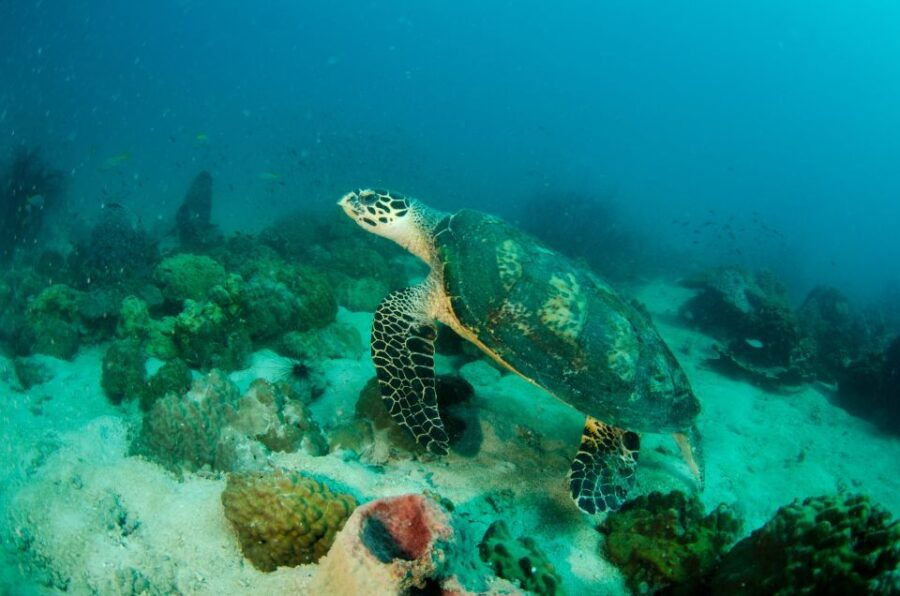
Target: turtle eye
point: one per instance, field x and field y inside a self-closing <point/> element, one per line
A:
<point x="367" y="197"/>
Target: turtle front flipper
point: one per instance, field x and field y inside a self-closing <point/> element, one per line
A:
<point x="603" y="469"/>
<point x="403" y="352"/>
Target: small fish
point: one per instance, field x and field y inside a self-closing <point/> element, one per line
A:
<point x="755" y="343"/>
<point x="269" y="177"/>
<point x="34" y="203"/>
<point x="201" y="138"/>
<point x="114" y="161"/>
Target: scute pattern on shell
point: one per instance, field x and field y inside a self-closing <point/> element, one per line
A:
<point x="560" y="325"/>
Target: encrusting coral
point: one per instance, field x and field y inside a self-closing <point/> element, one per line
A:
<point x="282" y="518"/>
<point x="660" y="540"/>
<point x="519" y="561"/>
<point x="837" y="544"/>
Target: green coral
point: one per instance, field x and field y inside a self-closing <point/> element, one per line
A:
<point x="282" y="518"/>
<point x="53" y="323"/>
<point x="205" y="337"/>
<point x="660" y="540"/>
<point x="161" y="339"/>
<point x="134" y="319"/>
<point x="188" y="276"/>
<point x="519" y="561"/>
<point x="123" y="375"/>
<point x="173" y="377"/>
<point x="837" y="544"/>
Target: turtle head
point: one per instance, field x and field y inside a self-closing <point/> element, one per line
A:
<point x="392" y="215"/>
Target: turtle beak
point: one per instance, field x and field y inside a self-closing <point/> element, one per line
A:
<point x="350" y="204"/>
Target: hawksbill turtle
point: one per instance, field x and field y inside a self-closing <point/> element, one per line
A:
<point x="540" y="315"/>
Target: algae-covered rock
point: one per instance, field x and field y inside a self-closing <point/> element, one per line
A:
<point x="161" y="339"/>
<point x="123" y="376"/>
<point x="205" y="337"/>
<point x="188" y="276"/>
<point x="661" y="540"/>
<point x="836" y="544"/>
<point x="337" y="340"/>
<point x="172" y="377"/>
<point x="519" y="561"/>
<point x="53" y="323"/>
<point x="282" y="518"/>
<point x="134" y="319"/>
<point x="361" y="295"/>
<point x="750" y="313"/>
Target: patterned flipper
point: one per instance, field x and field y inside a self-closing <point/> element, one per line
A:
<point x="603" y="469"/>
<point x="403" y="353"/>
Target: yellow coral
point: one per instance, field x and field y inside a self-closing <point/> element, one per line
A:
<point x="283" y="518"/>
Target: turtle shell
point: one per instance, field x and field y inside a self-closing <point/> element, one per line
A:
<point x="561" y="326"/>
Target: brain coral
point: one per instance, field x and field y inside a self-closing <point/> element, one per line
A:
<point x="837" y="544"/>
<point x="282" y="518"/>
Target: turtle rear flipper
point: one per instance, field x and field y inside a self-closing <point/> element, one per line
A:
<point x="403" y="352"/>
<point x="603" y="469"/>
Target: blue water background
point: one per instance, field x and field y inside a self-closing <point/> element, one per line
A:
<point x="776" y="115"/>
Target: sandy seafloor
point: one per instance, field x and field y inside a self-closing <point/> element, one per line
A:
<point x="68" y="487"/>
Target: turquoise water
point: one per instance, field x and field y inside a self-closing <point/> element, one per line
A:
<point x="168" y="180"/>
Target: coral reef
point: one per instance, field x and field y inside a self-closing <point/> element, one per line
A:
<point x="134" y="319"/>
<point x="52" y="323"/>
<point x="206" y="337"/>
<point x="393" y="545"/>
<point x="837" y="544"/>
<point x="213" y="425"/>
<point x="661" y="540"/>
<point x="274" y="415"/>
<point x="839" y="335"/>
<point x="185" y="431"/>
<point x="118" y="252"/>
<point x="519" y="561"/>
<point x="30" y="189"/>
<point x="193" y="218"/>
<point x="282" y="518"/>
<point x="123" y="375"/>
<point x="187" y="276"/>
<point x="337" y="340"/>
<point x="750" y="313"/>
<point x="870" y="387"/>
<point x="172" y="377"/>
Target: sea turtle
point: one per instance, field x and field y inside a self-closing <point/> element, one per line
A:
<point x="540" y="315"/>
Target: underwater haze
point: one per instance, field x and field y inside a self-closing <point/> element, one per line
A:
<point x="185" y="312"/>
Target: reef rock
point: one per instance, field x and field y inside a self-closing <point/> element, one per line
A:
<point x="193" y="219"/>
<point x="750" y="313"/>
